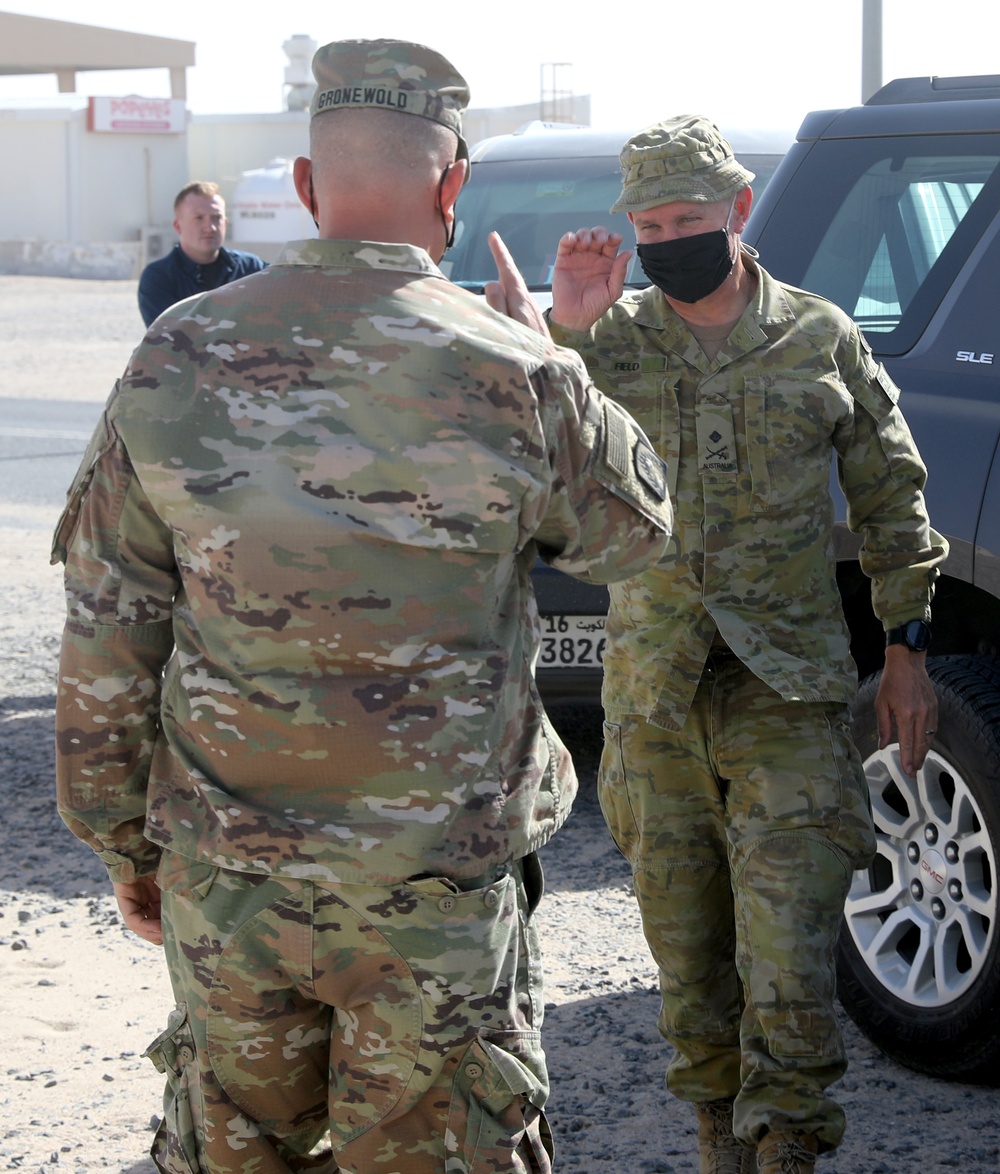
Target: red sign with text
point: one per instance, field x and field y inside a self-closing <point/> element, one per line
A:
<point x="164" y="116"/>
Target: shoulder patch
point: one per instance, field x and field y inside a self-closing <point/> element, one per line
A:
<point x="628" y="464"/>
<point x="616" y="444"/>
<point x="651" y="470"/>
<point x="885" y="381"/>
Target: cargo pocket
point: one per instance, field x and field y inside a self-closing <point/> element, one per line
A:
<point x="174" y="1147"/>
<point x="790" y="421"/>
<point x="786" y="933"/>
<point x="496" y="1120"/>
<point x="613" y="796"/>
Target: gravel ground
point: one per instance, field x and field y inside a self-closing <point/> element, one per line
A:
<point x="83" y="997"/>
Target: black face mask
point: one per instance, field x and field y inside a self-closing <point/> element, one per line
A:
<point x="690" y="267"/>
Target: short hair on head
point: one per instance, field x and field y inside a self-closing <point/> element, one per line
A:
<point x="197" y="187"/>
<point x="351" y="143"/>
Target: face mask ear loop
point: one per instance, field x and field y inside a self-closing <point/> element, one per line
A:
<point x="449" y="229"/>
<point x="728" y="231"/>
<point x="312" y="203"/>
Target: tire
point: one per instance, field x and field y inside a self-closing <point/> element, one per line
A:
<point x="918" y="961"/>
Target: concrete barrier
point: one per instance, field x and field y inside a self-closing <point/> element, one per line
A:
<point x="107" y="261"/>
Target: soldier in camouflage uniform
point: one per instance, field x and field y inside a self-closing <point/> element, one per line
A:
<point x="729" y="778"/>
<point x="296" y="712"/>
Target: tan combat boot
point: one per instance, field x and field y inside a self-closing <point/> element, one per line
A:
<point x="787" y="1153"/>
<point x="719" y="1151"/>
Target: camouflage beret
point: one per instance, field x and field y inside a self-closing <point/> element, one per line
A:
<point x="683" y="158"/>
<point x="390" y="75"/>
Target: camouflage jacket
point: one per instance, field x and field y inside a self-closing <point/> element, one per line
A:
<point x="749" y="440"/>
<point x="301" y="626"/>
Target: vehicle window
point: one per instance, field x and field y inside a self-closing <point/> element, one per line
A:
<point x="531" y="203"/>
<point x="894" y="222"/>
<point x="762" y="166"/>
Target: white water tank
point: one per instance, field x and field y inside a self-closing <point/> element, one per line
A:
<point x="265" y="206"/>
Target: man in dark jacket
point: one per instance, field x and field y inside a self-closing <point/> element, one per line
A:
<point x="198" y="262"/>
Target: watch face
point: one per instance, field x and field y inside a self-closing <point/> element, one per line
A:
<point x="917" y="635"/>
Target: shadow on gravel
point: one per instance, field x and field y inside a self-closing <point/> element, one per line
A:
<point x="609" y="1110"/>
<point x="611" y="1114"/>
<point x="582" y="855"/>
<point x="37" y="851"/>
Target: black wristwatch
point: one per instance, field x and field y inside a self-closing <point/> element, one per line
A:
<point x="916" y="635"/>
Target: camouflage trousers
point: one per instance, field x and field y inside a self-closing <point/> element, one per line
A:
<point x="742" y="831"/>
<point x="375" y="1029"/>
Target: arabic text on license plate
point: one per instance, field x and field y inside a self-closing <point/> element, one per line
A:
<point x="572" y="642"/>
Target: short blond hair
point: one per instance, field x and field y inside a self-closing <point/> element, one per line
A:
<point x="197" y="187"/>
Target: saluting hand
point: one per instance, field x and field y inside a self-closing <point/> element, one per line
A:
<point x="588" y="278"/>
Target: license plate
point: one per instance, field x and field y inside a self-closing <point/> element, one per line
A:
<point x="571" y="642"/>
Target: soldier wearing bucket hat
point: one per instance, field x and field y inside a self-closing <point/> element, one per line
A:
<point x="729" y="779"/>
<point x="298" y="720"/>
<point x="683" y="158"/>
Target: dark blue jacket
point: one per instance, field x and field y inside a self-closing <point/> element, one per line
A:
<point x="176" y="277"/>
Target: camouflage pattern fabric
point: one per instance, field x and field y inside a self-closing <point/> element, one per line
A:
<point x="297" y="666"/>
<point x="748" y="439"/>
<point x="740" y="803"/>
<point x="742" y="831"/>
<point x="301" y="627"/>
<point x="405" y="1020"/>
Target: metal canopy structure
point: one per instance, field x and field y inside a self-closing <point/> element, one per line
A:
<point x="31" y="44"/>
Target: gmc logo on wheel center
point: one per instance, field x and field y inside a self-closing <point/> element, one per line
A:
<point x="972" y="357"/>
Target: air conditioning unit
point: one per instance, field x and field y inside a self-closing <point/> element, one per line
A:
<point x="156" y="242"/>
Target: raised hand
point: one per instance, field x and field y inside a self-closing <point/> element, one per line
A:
<point x="588" y="278"/>
<point x="510" y="295"/>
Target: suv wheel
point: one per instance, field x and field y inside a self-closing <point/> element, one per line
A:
<point x="918" y="960"/>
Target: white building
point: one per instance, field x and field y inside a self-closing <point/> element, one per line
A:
<point x="97" y="177"/>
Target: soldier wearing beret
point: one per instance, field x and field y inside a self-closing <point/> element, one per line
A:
<point x="296" y="712"/>
<point x="729" y="779"/>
